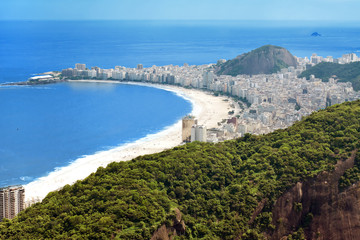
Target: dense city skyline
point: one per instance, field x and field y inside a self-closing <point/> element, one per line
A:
<point x="277" y="10"/>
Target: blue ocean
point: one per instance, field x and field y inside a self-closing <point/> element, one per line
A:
<point x="46" y="127"/>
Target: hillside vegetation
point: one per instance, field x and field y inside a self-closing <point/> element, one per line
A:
<point x="217" y="187"/>
<point x="264" y="60"/>
<point x="344" y="72"/>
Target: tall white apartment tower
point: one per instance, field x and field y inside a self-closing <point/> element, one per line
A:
<point x="208" y="79"/>
<point x="198" y="133"/>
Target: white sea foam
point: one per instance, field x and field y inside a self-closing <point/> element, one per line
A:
<point x="26" y="178"/>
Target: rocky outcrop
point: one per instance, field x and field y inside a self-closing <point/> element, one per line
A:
<point x="340" y="219"/>
<point x="167" y="233"/>
<point x="319" y="208"/>
<point x="31" y="83"/>
<point x="264" y="60"/>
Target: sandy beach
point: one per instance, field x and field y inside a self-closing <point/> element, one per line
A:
<point x="208" y="109"/>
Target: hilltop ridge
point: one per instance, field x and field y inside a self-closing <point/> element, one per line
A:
<point x="264" y="60"/>
<point x="349" y="72"/>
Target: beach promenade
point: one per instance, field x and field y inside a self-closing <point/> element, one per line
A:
<point x="208" y="109"/>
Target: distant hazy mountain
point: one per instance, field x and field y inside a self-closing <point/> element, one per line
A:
<point x="264" y="60"/>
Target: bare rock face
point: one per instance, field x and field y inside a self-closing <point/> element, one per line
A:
<point x="264" y="60"/>
<point x="318" y="207"/>
<point x="162" y="234"/>
<point x="168" y="233"/>
<point x="340" y="219"/>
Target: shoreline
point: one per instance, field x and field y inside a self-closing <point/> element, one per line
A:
<point x="208" y="109"/>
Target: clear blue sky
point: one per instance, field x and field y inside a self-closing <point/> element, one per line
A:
<point x="325" y="10"/>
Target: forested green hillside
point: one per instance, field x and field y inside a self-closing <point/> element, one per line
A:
<point x="344" y="72"/>
<point x="216" y="187"/>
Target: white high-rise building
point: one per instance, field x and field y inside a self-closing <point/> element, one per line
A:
<point x="198" y="133"/>
<point x="193" y="133"/>
<point x="353" y="57"/>
<point x="208" y="79"/>
<point x="92" y="73"/>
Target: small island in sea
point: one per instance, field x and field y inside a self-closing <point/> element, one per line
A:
<point x="315" y="34"/>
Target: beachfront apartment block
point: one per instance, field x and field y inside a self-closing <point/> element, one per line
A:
<point x="12" y="201"/>
<point x="80" y="66"/>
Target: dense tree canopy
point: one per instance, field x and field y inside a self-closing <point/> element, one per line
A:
<point x="344" y="72"/>
<point x="217" y="187"/>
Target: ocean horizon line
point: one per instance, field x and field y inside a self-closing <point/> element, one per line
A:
<point x="242" y="22"/>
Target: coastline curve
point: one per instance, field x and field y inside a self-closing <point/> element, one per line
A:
<point x="207" y="108"/>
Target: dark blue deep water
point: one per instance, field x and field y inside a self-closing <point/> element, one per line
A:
<point x="48" y="126"/>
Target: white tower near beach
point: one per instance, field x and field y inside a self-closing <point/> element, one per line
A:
<point x="198" y="133"/>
